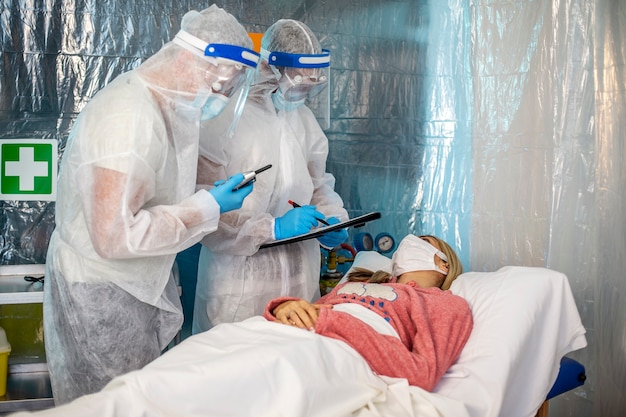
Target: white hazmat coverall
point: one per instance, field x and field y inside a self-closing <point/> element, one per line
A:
<point x="126" y="205"/>
<point x="236" y="278"/>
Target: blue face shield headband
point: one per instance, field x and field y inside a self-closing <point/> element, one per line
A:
<point x="220" y="51"/>
<point x="284" y="59"/>
<point x="300" y="76"/>
<point x="233" y="53"/>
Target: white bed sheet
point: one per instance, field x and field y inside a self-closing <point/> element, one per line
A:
<point x="525" y="320"/>
<point x="261" y="369"/>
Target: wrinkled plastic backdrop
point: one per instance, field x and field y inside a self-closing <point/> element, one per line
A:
<point x="497" y="125"/>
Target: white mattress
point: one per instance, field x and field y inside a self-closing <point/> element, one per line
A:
<point x="525" y="321"/>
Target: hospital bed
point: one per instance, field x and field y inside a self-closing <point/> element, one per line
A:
<point x="525" y="322"/>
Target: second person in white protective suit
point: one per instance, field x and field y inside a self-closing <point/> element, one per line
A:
<point x="127" y="204"/>
<point x="236" y="279"/>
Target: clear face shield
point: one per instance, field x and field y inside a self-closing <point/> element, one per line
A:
<point x="228" y="73"/>
<point x="302" y="79"/>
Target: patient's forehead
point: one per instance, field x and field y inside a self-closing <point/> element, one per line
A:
<point x="431" y="240"/>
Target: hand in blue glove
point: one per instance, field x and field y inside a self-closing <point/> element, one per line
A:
<point x="335" y="238"/>
<point x="296" y="221"/>
<point x="226" y="197"/>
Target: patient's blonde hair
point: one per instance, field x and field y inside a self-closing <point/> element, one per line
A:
<point x="455" y="268"/>
<point x="365" y="275"/>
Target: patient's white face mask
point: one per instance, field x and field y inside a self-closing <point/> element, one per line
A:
<point x="415" y="254"/>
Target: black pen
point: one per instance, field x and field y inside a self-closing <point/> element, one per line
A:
<point x="296" y="205"/>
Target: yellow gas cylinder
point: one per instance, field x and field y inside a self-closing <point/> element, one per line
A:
<point x="331" y="277"/>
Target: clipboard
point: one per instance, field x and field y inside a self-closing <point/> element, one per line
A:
<point x="315" y="233"/>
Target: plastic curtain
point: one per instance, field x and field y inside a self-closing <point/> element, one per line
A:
<point x="497" y="125"/>
<point x="548" y="144"/>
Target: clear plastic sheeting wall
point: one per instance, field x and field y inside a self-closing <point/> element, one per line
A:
<point x="548" y="128"/>
<point x="497" y="125"/>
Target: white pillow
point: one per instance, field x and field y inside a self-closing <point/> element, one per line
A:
<point x="371" y="260"/>
<point x="525" y="320"/>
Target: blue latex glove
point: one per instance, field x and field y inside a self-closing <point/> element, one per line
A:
<point x="296" y="221"/>
<point x="226" y="197"/>
<point x="335" y="238"/>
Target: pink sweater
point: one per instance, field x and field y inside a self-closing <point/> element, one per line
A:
<point x="433" y="326"/>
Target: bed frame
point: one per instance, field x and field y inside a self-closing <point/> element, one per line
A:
<point x="571" y="375"/>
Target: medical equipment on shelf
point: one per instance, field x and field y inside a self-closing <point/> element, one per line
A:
<point x="383" y="242"/>
<point x="363" y="241"/>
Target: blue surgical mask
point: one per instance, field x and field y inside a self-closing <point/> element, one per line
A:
<point x="189" y="108"/>
<point x="282" y="104"/>
<point x="214" y="105"/>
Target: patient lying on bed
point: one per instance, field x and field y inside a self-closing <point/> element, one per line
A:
<point x="403" y="324"/>
<point x="406" y="326"/>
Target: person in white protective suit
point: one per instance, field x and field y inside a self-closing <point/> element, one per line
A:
<point x="126" y="205"/>
<point x="236" y="278"/>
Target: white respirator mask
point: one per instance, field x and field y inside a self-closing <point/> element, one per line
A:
<point x="415" y="254"/>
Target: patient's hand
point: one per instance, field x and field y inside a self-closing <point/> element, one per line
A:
<point x="299" y="313"/>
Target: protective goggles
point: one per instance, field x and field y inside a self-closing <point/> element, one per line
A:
<point x="300" y="86"/>
<point x="225" y="80"/>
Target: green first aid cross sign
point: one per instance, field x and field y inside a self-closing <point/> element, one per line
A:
<point x="28" y="169"/>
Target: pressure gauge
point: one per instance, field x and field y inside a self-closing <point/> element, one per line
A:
<point x="384" y="243"/>
<point x="363" y="241"/>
